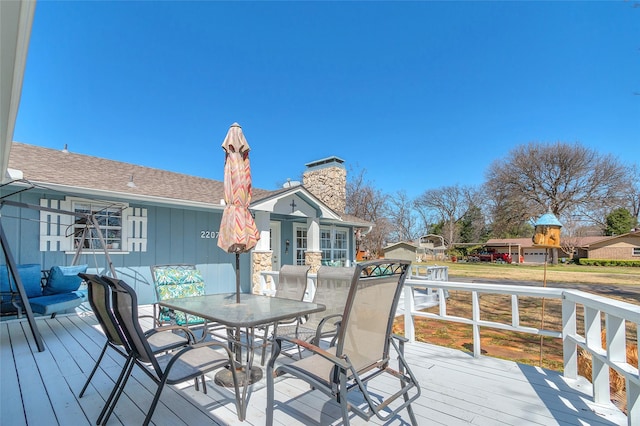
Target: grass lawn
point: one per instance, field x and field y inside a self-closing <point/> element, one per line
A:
<point x="561" y="273"/>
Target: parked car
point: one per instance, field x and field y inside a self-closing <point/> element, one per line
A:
<point x="490" y="257"/>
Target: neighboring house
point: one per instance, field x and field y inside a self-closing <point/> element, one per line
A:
<point x="402" y="250"/>
<point x="522" y="250"/>
<point x="150" y="216"/>
<point x="619" y="247"/>
<point x="428" y="247"/>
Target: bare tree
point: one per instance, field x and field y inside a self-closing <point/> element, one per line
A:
<point x="368" y="203"/>
<point x="402" y="218"/>
<point x="508" y="216"/>
<point x="557" y="177"/>
<point x="631" y="194"/>
<point x="448" y="204"/>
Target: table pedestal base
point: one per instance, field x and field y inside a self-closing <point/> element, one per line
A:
<point x="225" y="378"/>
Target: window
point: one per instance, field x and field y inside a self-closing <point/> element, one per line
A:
<point x="301" y="245"/>
<point x="333" y="244"/>
<point x="109" y="218"/>
<point x="123" y="228"/>
<point x="636" y="251"/>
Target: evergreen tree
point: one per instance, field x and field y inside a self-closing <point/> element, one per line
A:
<point x="619" y="222"/>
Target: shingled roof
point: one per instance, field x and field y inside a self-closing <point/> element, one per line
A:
<point x="46" y="166"/>
<point x="81" y="173"/>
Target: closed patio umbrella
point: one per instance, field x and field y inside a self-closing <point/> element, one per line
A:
<point x="238" y="232"/>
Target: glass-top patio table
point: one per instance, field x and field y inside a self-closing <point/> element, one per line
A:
<point x="253" y="311"/>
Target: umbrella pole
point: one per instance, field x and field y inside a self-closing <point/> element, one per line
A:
<point x="237" y="277"/>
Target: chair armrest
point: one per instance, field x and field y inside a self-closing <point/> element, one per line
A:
<point x="400" y="338"/>
<point x="316" y="339"/>
<point x="340" y="362"/>
<point x="190" y="336"/>
<point x="328" y="317"/>
<point x="399" y="345"/>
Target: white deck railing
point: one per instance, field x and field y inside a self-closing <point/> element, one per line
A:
<point x="269" y="279"/>
<point x="597" y="309"/>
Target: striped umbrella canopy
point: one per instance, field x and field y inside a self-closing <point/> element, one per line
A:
<point x="238" y="232"/>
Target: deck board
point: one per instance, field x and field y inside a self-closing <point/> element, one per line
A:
<point x="457" y="389"/>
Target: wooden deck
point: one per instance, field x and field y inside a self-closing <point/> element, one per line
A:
<point x="41" y="388"/>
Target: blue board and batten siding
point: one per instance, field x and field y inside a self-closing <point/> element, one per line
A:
<point x="174" y="235"/>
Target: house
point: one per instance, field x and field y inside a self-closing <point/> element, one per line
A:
<point x="619" y="247"/>
<point x="150" y="216"/>
<point x="523" y="250"/>
<point x="402" y="250"/>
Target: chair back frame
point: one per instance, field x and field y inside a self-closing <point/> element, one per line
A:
<point x="292" y="281"/>
<point x="364" y="333"/>
<point x="125" y="304"/>
<point x="333" y="285"/>
<point x="99" y="297"/>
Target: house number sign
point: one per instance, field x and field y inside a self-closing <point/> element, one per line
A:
<point x="209" y="234"/>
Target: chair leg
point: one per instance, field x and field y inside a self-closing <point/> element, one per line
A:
<point x="111" y="402"/>
<point x="342" y="396"/>
<point x="264" y="344"/>
<point x="156" y="398"/>
<point x="95" y="368"/>
<point x="270" y="388"/>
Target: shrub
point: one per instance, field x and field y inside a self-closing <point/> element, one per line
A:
<point x="608" y="262"/>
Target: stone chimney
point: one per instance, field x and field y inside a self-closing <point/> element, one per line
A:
<point x="327" y="180"/>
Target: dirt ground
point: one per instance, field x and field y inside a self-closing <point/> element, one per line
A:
<point x="520" y="347"/>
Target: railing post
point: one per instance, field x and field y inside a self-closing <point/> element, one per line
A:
<point x="569" y="346"/>
<point x="633" y="403"/>
<point x="616" y="348"/>
<point x="600" y="369"/>
<point x="633" y="392"/>
<point x="477" y="350"/>
<point x="409" y="304"/>
<point x="515" y="311"/>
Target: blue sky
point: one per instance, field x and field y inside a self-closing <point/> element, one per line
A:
<point x="419" y="94"/>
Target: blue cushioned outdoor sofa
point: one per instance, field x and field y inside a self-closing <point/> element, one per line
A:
<point x="49" y="292"/>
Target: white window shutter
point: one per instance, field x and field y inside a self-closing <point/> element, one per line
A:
<point x="137" y="229"/>
<point x="54" y="227"/>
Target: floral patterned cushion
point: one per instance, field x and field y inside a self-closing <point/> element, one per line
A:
<point x="176" y="275"/>
<point x="178" y="281"/>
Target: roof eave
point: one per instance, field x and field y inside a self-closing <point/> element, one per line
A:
<point x="17" y="20"/>
<point x="124" y="196"/>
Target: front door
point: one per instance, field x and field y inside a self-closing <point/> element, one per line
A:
<point x="274" y="245"/>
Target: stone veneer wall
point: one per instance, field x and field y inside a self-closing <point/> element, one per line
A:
<point x="329" y="184"/>
<point x="261" y="262"/>
<point x="314" y="259"/>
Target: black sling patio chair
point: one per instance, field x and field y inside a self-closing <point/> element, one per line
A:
<point x="160" y="339"/>
<point x="361" y="353"/>
<point x="175" y="367"/>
